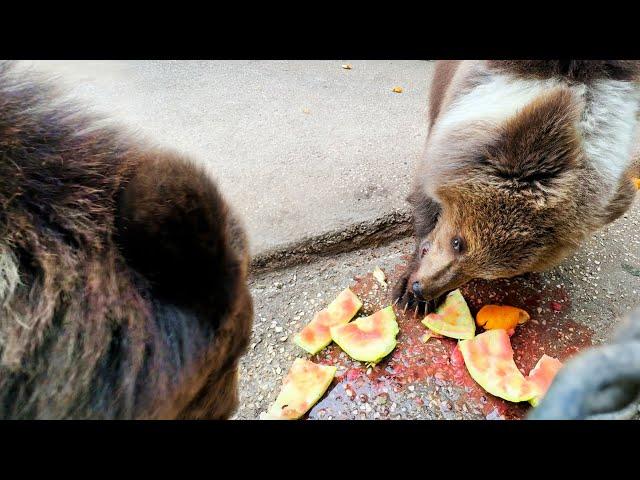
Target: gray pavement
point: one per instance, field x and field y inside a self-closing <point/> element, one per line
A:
<point x="301" y="148"/>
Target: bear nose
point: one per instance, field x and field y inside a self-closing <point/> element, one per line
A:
<point x="417" y="290"/>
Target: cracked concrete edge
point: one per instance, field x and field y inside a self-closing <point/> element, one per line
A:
<point x="379" y="231"/>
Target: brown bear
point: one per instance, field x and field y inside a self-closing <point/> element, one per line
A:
<point x="523" y="161"/>
<point x="122" y="271"/>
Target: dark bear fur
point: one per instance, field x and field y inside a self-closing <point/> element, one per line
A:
<point x="122" y="271"/>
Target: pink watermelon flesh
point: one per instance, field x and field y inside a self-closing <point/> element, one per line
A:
<point x="542" y="375"/>
<point x="316" y="335"/>
<point x="489" y="359"/>
<point x="303" y="386"/>
<point x="452" y="318"/>
<point x="368" y="339"/>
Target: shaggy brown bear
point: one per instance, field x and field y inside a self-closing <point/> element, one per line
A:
<point x="523" y="161"/>
<point x="122" y="271"/>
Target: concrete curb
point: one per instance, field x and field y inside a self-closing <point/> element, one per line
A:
<point x="386" y="228"/>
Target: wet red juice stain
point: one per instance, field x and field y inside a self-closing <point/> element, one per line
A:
<point x="438" y="362"/>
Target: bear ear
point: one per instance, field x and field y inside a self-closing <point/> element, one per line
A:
<point x="173" y="226"/>
<point x="540" y="142"/>
<point x="426" y="211"/>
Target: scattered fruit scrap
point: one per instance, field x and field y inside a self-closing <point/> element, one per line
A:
<point x="491" y="317"/>
<point x="452" y="318"/>
<point x="429" y="335"/>
<point x="316" y="335"/>
<point x="636" y="181"/>
<point x="543" y="374"/>
<point x="397" y="90"/>
<point x="368" y="339"/>
<point x="489" y="360"/>
<point x="378" y="274"/>
<point x="347" y="66"/>
<point x="303" y="386"/>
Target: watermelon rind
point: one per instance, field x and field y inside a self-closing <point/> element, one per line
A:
<point x="452" y="318"/>
<point x="305" y="383"/>
<point x="489" y="360"/>
<point x="316" y="334"/>
<point x="368" y="339"/>
<point x="542" y="376"/>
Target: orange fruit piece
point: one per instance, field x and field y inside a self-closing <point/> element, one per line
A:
<point x="505" y="317"/>
<point x="636" y="181"/>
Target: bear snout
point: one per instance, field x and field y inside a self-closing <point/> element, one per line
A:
<point x="417" y="290"/>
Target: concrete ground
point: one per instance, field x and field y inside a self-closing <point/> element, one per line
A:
<point x="301" y="148"/>
<point x="571" y="307"/>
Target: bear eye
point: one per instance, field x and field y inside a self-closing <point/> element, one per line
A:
<point x="457" y="244"/>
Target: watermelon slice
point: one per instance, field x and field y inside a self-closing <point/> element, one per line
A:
<point x="316" y="335"/>
<point x="303" y="386"/>
<point x="452" y="318"/>
<point x="368" y="339"/>
<point x="489" y="359"/>
<point x="542" y="375"/>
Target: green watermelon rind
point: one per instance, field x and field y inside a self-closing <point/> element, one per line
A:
<point x="441" y="327"/>
<point x="297" y="339"/>
<point x="320" y="390"/>
<point x="374" y="359"/>
<point x="480" y="378"/>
